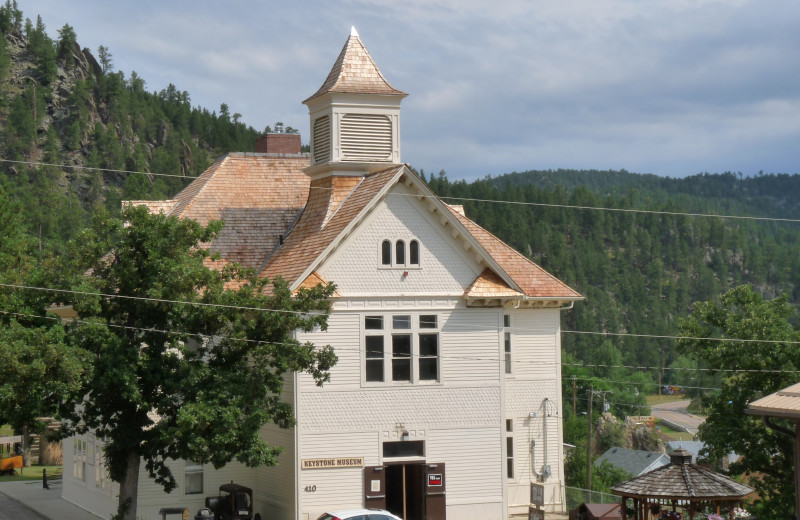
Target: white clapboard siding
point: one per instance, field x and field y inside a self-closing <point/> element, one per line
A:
<point x="85" y="492"/>
<point x="470" y="347"/>
<point x="152" y="496"/>
<point x="344" y="335"/>
<point x="335" y="488"/>
<point x="473" y="464"/>
<point x="274" y="485"/>
<point x="534" y="343"/>
<point x="444" y="269"/>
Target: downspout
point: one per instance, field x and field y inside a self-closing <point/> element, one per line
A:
<point x="544" y="425"/>
<point x="540" y="476"/>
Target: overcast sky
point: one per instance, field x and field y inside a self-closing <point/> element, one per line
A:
<point x="672" y="87"/>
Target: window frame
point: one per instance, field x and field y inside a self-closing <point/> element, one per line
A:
<point x="508" y="360"/>
<point x="431" y="326"/>
<point x="193" y="469"/>
<point x="408" y="246"/>
<point x="511" y="468"/>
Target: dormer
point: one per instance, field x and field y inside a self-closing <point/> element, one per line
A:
<point x="355" y="117"/>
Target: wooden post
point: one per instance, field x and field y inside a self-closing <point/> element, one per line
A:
<point x="797" y="467"/>
<point x="589" y="440"/>
<point x="404" y="493"/>
<point x="574" y="397"/>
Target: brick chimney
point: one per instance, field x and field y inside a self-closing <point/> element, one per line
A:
<point x="278" y="143"/>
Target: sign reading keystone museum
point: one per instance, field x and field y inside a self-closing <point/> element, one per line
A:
<point x="341" y="462"/>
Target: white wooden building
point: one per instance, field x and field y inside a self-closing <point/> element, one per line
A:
<point x="446" y="399"/>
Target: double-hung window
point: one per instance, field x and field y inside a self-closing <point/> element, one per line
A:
<point x="507" y="343"/>
<point x="401" y="348"/>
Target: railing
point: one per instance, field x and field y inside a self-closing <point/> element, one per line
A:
<point x="577" y="496"/>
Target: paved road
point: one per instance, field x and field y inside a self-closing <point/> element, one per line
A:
<point x="10" y="509"/>
<point x="676" y="413"/>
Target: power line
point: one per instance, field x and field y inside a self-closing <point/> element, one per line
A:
<point x="634" y="383"/>
<point x="465" y="199"/>
<point x="160" y="300"/>
<point x="733" y="370"/>
<point x="515" y="329"/>
<point x="661" y="336"/>
<point x="78" y="167"/>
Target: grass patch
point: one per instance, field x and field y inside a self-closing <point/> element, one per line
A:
<point x="656" y="399"/>
<point x="32" y="473"/>
<point x="672" y="435"/>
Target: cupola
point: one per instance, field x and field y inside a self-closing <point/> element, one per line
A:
<point x="355" y="117"/>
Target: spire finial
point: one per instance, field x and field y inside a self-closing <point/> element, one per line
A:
<point x="353" y="31"/>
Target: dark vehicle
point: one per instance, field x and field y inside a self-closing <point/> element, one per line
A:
<point x="235" y="502"/>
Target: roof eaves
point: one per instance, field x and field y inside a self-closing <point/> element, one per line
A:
<point x="314" y="264"/>
<point x="449" y="213"/>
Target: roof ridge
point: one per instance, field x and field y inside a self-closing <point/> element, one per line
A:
<point x="355" y="71"/>
<point x="514" y="251"/>
<point x="209" y="174"/>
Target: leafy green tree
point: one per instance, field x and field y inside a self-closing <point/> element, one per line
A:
<point x="182" y="381"/>
<point x="40" y="371"/>
<point x="743" y="313"/>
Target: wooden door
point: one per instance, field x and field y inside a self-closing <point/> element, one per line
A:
<point x="375" y="487"/>
<point x="435" y="492"/>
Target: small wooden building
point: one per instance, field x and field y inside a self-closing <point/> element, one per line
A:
<point x="784" y="404"/>
<point x="680" y="485"/>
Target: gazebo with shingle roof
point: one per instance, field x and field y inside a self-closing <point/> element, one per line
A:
<point x="680" y="485"/>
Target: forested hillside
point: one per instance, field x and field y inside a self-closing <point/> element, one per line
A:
<point x="63" y="109"/>
<point x="640" y="272"/>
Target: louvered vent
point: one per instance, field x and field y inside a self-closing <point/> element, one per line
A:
<point x="366" y="137"/>
<point x="322" y="139"/>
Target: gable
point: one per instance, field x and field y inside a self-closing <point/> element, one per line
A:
<point x="356" y="268"/>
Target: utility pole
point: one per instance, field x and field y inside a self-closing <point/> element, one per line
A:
<point x="574" y="398"/>
<point x="589" y="440"/>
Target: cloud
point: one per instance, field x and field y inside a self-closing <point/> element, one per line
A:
<point x="670" y="87"/>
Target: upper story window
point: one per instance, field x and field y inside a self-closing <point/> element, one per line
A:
<point x="401" y="348"/>
<point x="507" y="343"/>
<point x="399" y="253"/>
<point x="386" y="253"/>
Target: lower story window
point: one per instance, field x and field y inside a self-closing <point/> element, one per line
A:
<point x="193" y="478"/>
<point x="510" y="456"/>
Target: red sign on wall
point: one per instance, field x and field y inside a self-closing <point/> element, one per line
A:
<point x="435" y="479"/>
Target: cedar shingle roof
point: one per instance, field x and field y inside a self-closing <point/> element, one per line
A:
<point x="682" y="480"/>
<point x="319" y="227"/>
<point x="354" y="72"/>
<point x="257" y="195"/>
<point x="490" y="285"/>
<point x="264" y="196"/>
<point x="534" y="281"/>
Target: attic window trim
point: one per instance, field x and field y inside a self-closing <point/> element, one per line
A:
<point x="388" y="250"/>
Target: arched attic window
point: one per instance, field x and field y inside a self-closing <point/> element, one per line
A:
<point x="400" y="253"/>
<point x="386" y="253"/>
<point x="413" y="253"/>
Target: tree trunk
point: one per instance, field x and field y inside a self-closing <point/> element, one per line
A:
<point x="129" y="489"/>
<point x="26" y="447"/>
